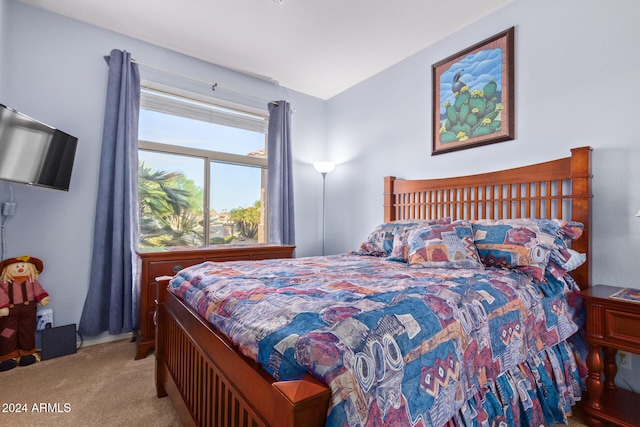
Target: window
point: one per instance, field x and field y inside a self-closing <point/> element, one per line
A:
<point x="202" y="171"/>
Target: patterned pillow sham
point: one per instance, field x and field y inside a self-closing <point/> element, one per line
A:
<point x="568" y="259"/>
<point x="569" y="231"/>
<point x="562" y="255"/>
<point x="381" y="241"/>
<point x="443" y="246"/>
<point x="524" y="244"/>
<point x="400" y="248"/>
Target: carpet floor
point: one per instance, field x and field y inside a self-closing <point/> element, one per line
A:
<point x="100" y="385"/>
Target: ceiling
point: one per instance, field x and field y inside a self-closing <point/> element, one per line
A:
<point x="317" y="47"/>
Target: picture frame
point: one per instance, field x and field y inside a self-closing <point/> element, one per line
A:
<point x="473" y="95"/>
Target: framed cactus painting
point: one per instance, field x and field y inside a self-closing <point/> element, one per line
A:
<point x="473" y="99"/>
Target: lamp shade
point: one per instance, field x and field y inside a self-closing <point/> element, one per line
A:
<point x="638" y="214"/>
<point x="324" y="167"/>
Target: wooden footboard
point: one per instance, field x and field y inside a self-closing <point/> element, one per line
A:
<point x="211" y="384"/>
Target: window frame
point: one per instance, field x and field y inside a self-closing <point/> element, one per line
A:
<point x="210" y="156"/>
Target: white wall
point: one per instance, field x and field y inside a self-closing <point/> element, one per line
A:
<point x="3" y="59"/>
<point x="53" y="69"/>
<point x="576" y="84"/>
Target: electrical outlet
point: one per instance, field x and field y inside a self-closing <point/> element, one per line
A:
<point x="44" y="319"/>
<point x="624" y="360"/>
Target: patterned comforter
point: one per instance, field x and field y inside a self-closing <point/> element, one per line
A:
<point x="400" y="346"/>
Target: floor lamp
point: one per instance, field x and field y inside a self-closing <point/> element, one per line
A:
<point x="324" y="168"/>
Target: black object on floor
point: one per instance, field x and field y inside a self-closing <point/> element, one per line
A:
<point x="58" y="341"/>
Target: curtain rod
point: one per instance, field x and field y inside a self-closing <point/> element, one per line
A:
<point x="213" y="85"/>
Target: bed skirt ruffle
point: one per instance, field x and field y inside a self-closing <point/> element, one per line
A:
<point x="539" y="392"/>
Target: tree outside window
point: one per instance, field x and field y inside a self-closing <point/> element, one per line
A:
<point x="195" y="172"/>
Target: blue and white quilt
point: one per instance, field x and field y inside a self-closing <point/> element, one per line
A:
<point x="400" y="346"/>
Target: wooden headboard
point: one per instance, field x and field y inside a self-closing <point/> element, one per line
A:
<point x="554" y="189"/>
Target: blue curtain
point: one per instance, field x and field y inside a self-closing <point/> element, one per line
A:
<point x="280" y="175"/>
<point x="110" y="304"/>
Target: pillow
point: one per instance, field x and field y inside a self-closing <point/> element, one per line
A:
<point x="400" y="247"/>
<point x="565" y="257"/>
<point x="443" y="246"/>
<point x="380" y="241"/>
<point x="570" y="230"/>
<point x="524" y="244"/>
<point x="568" y="259"/>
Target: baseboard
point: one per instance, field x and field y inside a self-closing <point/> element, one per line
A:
<point x="105" y="337"/>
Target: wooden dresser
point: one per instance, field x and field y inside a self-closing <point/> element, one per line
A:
<point x="167" y="262"/>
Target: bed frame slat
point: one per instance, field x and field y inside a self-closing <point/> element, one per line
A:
<point x="495" y="194"/>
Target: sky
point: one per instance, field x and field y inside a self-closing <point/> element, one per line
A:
<point x="477" y="69"/>
<point x="232" y="185"/>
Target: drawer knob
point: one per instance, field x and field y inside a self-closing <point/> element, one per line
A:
<point x="177" y="268"/>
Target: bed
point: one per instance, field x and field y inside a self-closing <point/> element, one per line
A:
<point x="385" y="346"/>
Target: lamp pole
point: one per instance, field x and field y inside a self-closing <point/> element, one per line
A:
<point x="324" y="205"/>
<point x="324" y="168"/>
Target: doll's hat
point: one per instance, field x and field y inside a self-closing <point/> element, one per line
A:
<point x="26" y="258"/>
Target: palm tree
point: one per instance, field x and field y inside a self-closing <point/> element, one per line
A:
<point x="169" y="208"/>
<point x="157" y="192"/>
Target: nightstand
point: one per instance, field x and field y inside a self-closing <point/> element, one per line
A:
<point x="612" y="325"/>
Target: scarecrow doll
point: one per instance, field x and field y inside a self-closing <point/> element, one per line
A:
<point x="20" y="293"/>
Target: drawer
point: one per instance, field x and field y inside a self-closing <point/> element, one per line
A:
<point x="623" y="327"/>
<point x="224" y="258"/>
<point x="272" y="255"/>
<point x="170" y="268"/>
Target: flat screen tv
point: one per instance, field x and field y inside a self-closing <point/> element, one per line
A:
<point x="34" y="153"/>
